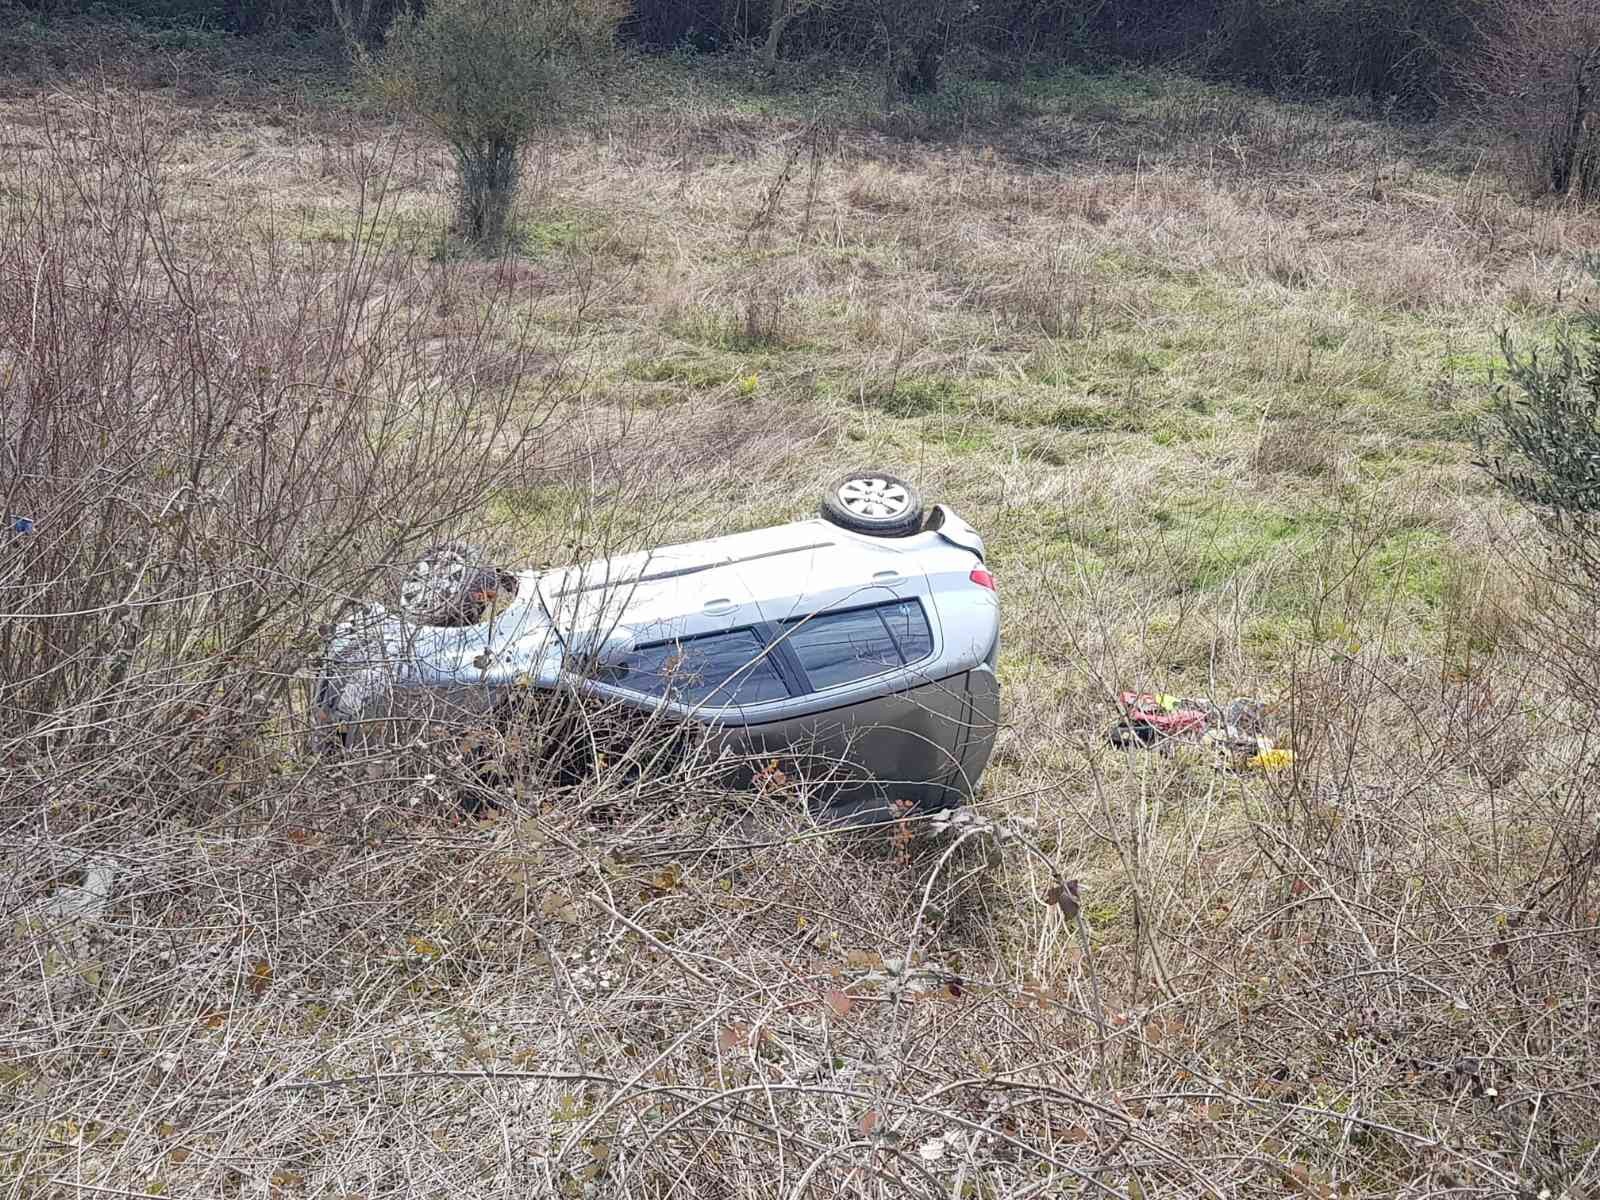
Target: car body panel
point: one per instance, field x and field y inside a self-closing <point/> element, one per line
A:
<point x="982" y="722"/>
<point x="683" y="590"/>
<point x="915" y="730"/>
<point x="865" y="755"/>
<point x="953" y="529"/>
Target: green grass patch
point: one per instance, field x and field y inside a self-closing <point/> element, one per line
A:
<point x="1090" y="417"/>
<point x="547" y="232"/>
<point x="1479" y="365"/>
<point x="967" y="438"/>
<point x="1414" y="564"/>
<point x="535" y="501"/>
<point x="756" y="324"/>
<point x="1069" y="88"/>
<point x="1103" y="366"/>
<point x="686" y="370"/>
<point x="914" y="395"/>
<point x="1077" y="533"/>
<point x="1208" y="543"/>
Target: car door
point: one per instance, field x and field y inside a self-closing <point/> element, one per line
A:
<point x="980" y="725"/>
<point x="690" y="645"/>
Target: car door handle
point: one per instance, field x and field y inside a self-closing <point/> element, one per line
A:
<point x="719" y="606"/>
<point x="886" y="576"/>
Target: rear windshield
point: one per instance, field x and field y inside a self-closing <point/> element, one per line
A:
<point x="841" y="647"/>
<point x="722" y="668"/>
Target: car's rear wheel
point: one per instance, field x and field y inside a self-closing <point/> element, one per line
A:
<point x="873" y="502"/>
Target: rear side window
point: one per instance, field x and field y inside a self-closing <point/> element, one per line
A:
<point x="721" y="669"/>
<point x="841" y="647"/>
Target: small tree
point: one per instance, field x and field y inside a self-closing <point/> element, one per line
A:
<point x="1544" y="450"/>
<point x="916" y="34"/>
<point x="488" y="75"/>
<point x="1548" y="457"/>
<point x="361" y="22"/>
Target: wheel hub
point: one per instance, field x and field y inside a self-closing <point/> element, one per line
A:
<point x="874" y="498"/>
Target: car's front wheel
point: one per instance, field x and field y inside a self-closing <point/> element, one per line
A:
<point x="453" y="584"/>
<point x="873" y="502"/>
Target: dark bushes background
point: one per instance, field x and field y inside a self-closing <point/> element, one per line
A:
<point x="1398" y="53"/>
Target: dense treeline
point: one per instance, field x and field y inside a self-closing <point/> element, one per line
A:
<point x="1396" y="52"/>
<point x="1400" y="51"/>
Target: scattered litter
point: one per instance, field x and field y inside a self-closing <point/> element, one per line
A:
<point x="1150" y="719"/>
<point x="88" y="900"/>
<point x="22" y="525"/>
<point x="1272" y="760"/>
<point x="1234" y="731"/>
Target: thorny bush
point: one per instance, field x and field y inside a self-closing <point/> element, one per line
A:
<point x="207" y="445"/>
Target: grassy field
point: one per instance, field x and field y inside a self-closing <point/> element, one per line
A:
<point x="1204" y="368"/>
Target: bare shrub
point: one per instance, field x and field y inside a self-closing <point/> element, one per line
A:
<point x="214" y="446"/>
<point x="806" y="152"/>
<point x="1556" y="633"/>
<point x="785" y="13"/>
<point x="1392" y="52"/>
<point x="1370" y="905"/>
<point x="1538" y="79"/>
<point x="766" y="314"/>
<point x="361" y="22"/>
<point x="914" y="36"/>
<point x="1060" y="298"/>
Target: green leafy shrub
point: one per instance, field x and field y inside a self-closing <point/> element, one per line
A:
<point x="1546" y="426"/>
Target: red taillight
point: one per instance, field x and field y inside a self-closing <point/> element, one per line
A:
<point x="983" y="579"/>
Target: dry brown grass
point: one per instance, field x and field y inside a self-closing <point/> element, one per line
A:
<point x="1185" y="375"/>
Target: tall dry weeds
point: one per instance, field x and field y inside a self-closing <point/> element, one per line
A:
<point x="232" y="969"/>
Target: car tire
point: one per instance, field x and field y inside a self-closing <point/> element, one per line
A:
<point x="445" y="585"/>
<point x="875" y="503"/>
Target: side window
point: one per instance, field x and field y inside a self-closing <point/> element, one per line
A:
<point x="841" y="647"/>
<point x="721" y="669"/>
<point x="909" y="628"/>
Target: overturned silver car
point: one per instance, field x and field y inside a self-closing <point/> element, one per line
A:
<point x="857" y="650"/>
